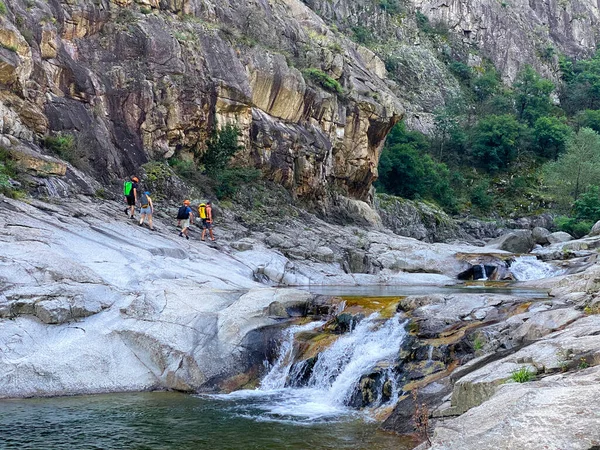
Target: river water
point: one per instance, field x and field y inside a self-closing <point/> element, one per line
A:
<point x="163" y="420"/>
<point x="277" y="415"/>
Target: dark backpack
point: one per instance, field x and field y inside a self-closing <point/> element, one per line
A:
<point x="183" y="213"/>
<point x="144" y="201"/>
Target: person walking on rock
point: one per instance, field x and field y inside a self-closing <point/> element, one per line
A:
<point x="146" y="209"/>
<point x="130" y="191"/>
<point x="185" y="218"/>
<point x="205" y="213"/>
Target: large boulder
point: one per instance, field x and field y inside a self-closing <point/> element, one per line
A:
<point x="540" y="235"/>
<point x="518" y="241"/>
<point x="558" y="237"/>
<point x="560" y="411"/>
<point x="595" y="231"/>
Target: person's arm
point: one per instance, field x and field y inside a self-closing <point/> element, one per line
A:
<point x="151" y="205"/>
<point x="210" y="215"/>
<point x="191" y="217"/>
<point x="135" y="194"/>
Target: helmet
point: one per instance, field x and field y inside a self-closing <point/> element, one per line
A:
<point x="186" y="202"/>
<point x="147" y="193"/>
<point x="134" y="179"/>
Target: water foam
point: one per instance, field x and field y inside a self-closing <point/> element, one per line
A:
<point x="526" y="268"/>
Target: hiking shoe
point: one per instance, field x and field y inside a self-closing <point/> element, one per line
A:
<point x="180" y="234"/>
<point x="141" y="224"/>
<point x="187" y="237"/>
<point x="202" y="240"/>
<point x="126" y="212"/>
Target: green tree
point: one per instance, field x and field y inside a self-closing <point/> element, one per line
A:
<point x="495" y="141"/>
<point x="486" y="85"/>
<point x="221" y="147"/>
<point x="448" y="134"/>
<point x="550" y="136"/>
<point x="583" y="84"/>
<point x="574" y="172"/>
<point x="589" y="118"/>
<point x="532" y="95"/>
<point x="406" y="170"/>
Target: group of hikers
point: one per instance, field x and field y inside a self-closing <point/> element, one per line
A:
<point x="185" y="215"/>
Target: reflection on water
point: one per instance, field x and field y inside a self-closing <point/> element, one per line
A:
<point x="482" y="287"/>
<point x="160" y="421"/>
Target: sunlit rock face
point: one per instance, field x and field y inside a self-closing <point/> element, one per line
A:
<point x="135" y="81"/>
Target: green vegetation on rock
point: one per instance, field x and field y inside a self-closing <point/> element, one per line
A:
<point x="522" y="375"/>
<point x="323" y="80"/>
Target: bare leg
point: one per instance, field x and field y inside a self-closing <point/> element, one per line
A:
<point x="212" y="237"/>
<point x="150" y="221"/>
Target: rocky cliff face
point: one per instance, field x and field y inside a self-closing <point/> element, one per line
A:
<point x="138" y="80"/>
<point x="134" y="81"/>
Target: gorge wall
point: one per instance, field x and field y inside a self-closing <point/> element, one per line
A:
<point x="134" y="81"/>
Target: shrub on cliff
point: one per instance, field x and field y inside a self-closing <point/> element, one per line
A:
<point x="222" y="146"/>
<point x="323" y="80"/>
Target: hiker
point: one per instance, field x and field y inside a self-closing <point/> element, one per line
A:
<point x="205" y="213"/>
<point x="185" y="218"/>
<point x="130" y="190"/>
<point x="146" y="209"/>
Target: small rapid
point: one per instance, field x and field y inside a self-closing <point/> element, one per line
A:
<point x="287" y="395"/>
<point x="526" y="268"/>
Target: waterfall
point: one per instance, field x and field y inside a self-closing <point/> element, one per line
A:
<point x="279" y="372"/>
<point x="483" y="274"/>
<point x="339" y="369"/>
<point x="372" y="346"/>
<point x="530" y="268"/>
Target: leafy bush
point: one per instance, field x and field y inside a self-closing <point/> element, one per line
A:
<point x="575" y="227"/>
<point x="323" y="80"/>
<point x="64" y="146"/>
<point x="405" y="171"/>
<point x="461" y="70"/>
<point x="362" y="35"/>
<point x="496" y="141"/>
<point x="222" y="145"/>
<point x="480" y="198"/>
<point x="231" y="180"/>
<point x="391" y="6"/>
<point x="522" y="375"/>
<point x="2" y="8"/>
<point x="587" y="207"/>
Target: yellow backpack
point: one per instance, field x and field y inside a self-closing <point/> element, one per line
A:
<point x="202" y="211"/>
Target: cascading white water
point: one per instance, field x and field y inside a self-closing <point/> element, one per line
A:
<point x="277" y="377"/>
<point x="530" y="268"/>
<point x="339" y="368"/>
<point x="373" y="345"/>
<point x="483" y="274"/>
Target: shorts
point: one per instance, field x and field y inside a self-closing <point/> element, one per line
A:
<point x="130" y="200"/>
<point x="185" y="224"/>
<point x="146" y="210"/>
<point x="206" y="224"/>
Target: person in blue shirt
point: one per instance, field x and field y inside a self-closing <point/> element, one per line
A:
<point x="187" y="219"/>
